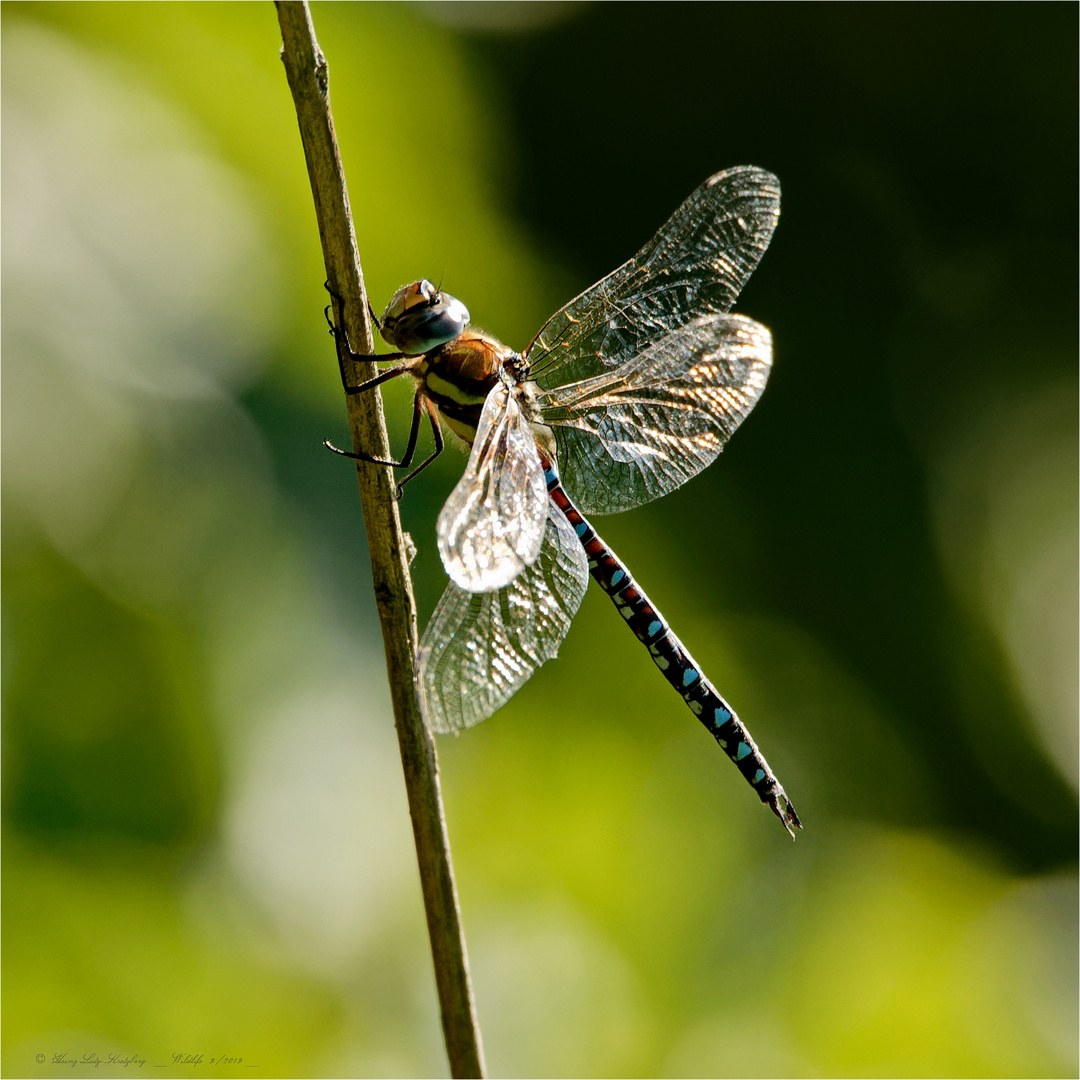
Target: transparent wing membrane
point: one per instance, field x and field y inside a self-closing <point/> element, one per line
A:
<point x="492" y="525"/>
<point x="479" y="649"/>
<point x="640" y="430"/>
<point x="695" y="265"/>
<point x="641" y="380"/>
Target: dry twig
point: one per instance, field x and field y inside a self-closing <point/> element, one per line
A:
<point x="307" y="73"/>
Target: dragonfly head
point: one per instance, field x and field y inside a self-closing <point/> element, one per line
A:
<point x="419" y="318"/>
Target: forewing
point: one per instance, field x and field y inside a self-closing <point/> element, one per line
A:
<point x="492" y="525"/>
<point x="695" y="265"/>
<point x="632" y="434"/>
<point x="479" y="649"/>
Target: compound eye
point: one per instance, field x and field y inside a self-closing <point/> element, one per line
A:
<point x="419" y="318"/>
<point x="417" y="294"/>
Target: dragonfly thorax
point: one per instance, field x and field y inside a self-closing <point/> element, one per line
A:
<point x="458" y="376"/>
<point x="420" y="318"/>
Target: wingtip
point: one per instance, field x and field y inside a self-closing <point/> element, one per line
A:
<point x="764" y="177"/>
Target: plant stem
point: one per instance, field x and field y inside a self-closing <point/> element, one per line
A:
<point x="307" y="72"/>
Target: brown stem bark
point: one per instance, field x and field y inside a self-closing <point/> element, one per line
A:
<point x="307" y="72"/>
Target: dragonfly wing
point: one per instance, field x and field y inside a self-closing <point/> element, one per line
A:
<point x="492" y="525"/>
<point x="643" y="429"/>
<point x="695" y="265"/>
<point x="479" y="649"/>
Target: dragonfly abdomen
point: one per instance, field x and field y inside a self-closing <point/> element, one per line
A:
<point x="675" y="662"/>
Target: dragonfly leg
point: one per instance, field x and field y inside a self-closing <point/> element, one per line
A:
<point x="420" y="403"/>
<point x="410" y="449"/>
<point x="333" y="329"/>
<point x="347" y="353"/>
<point x="437" y="434"/>
<point x="383" y="376"/>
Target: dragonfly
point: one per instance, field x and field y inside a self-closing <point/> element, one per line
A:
<point x="626" y="393"/>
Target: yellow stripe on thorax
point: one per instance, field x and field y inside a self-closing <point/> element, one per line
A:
<point x="451" y="391"/>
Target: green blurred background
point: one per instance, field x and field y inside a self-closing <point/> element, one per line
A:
<point x="207" y="847"/>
